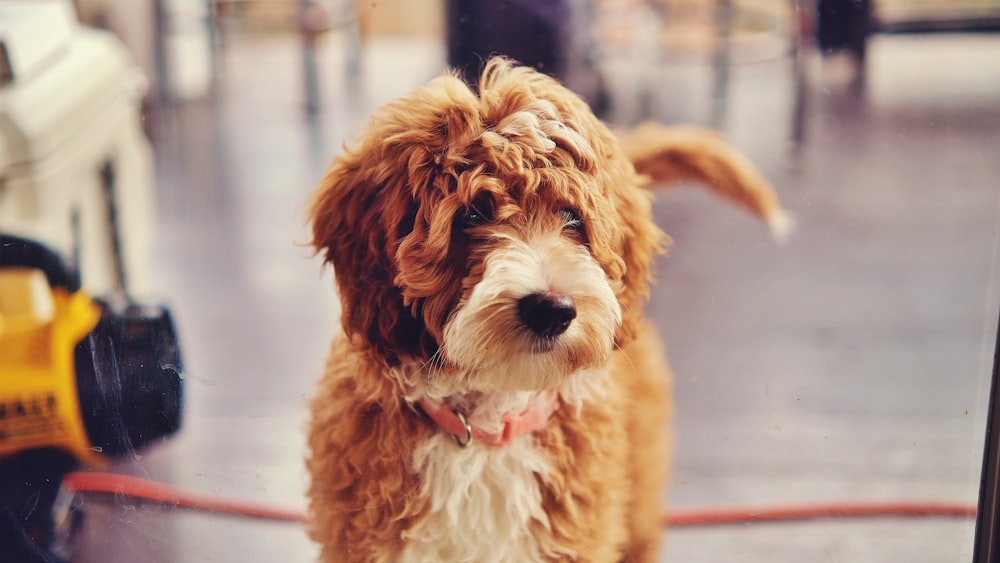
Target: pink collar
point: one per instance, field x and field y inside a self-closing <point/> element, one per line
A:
<point x="532" y="418"/>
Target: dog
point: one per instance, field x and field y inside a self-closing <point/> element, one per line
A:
<point x="496" y="394"/>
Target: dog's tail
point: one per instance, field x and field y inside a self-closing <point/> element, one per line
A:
<point x="680" y="153"/>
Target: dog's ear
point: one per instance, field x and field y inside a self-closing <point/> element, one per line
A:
<point x="382" y="216"/>
<point x="356" y="221"/>
<point x="642" y="241"/>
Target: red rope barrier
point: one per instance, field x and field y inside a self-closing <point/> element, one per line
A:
<point x="817" y="511"/>
<point x="167" y="495"/>
<point x="145" y="490"/>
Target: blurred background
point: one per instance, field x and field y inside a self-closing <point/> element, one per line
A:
<point x="851" y="363"/>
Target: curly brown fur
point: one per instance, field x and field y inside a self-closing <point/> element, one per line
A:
<point x="452" y="215"/>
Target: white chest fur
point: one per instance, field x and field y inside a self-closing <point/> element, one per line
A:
<point x="484" y="501"/>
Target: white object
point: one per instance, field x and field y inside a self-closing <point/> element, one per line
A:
<point x="69" y="111"/>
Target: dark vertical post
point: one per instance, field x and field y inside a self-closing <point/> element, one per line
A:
<point x="987" y="548"/>
<point x="160" y="59"/>
<point x="110" y="189"/>
<point x="799" y="37"/>
<point x="721" y="61"/>
<point x="308" y="13"/>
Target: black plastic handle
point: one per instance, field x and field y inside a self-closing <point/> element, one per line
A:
<point x="17" y="252"/>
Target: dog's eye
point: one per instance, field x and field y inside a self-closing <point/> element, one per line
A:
<point x="571" y="220"/>
<point x="479" y="212"/>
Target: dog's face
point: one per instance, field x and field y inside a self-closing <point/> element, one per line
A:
<point x="501" y="239"/>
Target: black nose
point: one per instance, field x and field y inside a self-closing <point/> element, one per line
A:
<point x="546" y="314"/>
